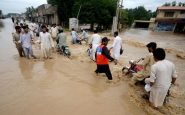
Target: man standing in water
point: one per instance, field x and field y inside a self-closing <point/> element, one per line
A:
<point x="84" y="35"/>
<point x="13" y="19"/>
<point x="95" y="41"/>
<point x="27" y="40"/>
<point x="147" y="63"/>
<point x="117" y="46"/>
<point x="62" y="38"/>
<point x="102" y="59"/>
<point x="54" y="32"/>
<point x="162" y="75"/>
<point x="75" y="37"/>
<point x="16" y="38"/>
<point x="46" y="43"/>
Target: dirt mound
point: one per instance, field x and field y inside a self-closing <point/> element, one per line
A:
<point x="181" y="55"/>
<point x="134" y="43"/>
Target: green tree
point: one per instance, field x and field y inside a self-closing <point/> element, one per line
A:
<point x="100" y="12"/>
<point x="124" y="17"/>
<point x="174" y="3"/>
<point x="29" y="12"/>
<point x="183" y="4"/>
<point x="64" y="8"/>
<point x="180" y="4"/>
<point x="167" y="4"/>
<point x="139" y="13"/>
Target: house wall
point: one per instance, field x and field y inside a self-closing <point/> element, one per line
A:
<point x="169" y="23"/>
<point x="47" y="14"/>
<point x="177" y="14"/>
<point x="151" y="26"/>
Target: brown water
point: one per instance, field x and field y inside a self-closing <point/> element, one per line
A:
<point x="69" y="86"/>
<point x="59" y="86"/>
<point x="164" y="39"/>
<point x="175" y="45"/>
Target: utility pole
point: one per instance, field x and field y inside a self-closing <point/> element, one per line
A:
<point x="119" y="17"/>
<point x="79" y="11"/>
<point x="115" y="19"/>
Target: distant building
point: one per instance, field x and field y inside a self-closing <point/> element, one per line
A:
<point x="47" y="14"/>
<point x="13" y="15"/>
<point x="170" y="18"/>
<point x="144" y="24"/>
<point x="1" y="14"/>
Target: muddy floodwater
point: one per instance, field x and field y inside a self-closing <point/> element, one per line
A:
<point x="62" y="86"/>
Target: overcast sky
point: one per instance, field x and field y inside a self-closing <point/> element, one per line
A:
<point x="148" y="4"/>
<point x="18" y="6"/>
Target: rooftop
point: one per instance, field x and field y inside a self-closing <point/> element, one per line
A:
<point x="171" y="8"/>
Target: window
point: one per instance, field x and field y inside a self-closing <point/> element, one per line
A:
<point x="168" y="14"/>
<point x="182" y="12"/>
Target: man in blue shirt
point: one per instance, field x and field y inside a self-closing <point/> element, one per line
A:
<point x="26" y="41"/>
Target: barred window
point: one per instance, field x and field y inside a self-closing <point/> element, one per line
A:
<point x="182" y="12"/>
<point x="168" y="14"/>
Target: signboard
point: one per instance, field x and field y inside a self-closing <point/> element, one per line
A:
<point x="73" y="23"/>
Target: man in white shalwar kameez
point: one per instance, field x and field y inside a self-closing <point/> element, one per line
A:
<point x="46" y="42"/>
<point x="117" y="45"/>
<point x="31" y="29"/>
<point x="95" y="41"/>
<point x="75" y="37"/>
<point x="84" y="35"/>
<point x="163" y="74"/>
<point x="54" y="32"/>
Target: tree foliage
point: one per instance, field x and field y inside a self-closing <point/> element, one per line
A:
<point x="100" y="12"/>
<point x="138" y="13"/>
<point x="174" y="3"/>
<point x="64" y="9"/>
<point x="29" y="12"/>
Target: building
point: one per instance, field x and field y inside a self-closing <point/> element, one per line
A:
<point x="1" y="14"/>
<point x="13" y="15"/>
<point x="144" y="24"/>
<point x="47" y="14"/>
<point x="170" y="18"/>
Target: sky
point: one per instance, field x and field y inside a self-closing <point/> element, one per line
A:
<point x="19" y="6"/>
<point x="148" y="4"/>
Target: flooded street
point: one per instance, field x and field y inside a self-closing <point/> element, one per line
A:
<point x="174" y="43"/>
<point x="58" y="86"/>
<point x="63" y="86"/>
<point x="164" y="39"/>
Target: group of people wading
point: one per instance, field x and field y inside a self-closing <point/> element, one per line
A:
<point x="157" y="72"/>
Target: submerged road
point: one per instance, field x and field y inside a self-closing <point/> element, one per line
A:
<point x="59" y="86"/>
